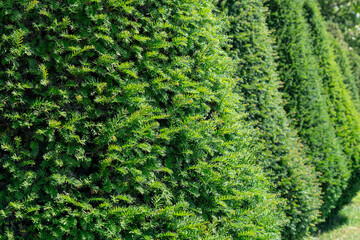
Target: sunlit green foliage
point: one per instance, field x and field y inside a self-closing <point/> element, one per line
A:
<point x="175" y="119"/>
<point x="119" y="121"/>
<point x="282" y="155"/>
<point x="343" y="109"/>
<point x="346" y="59"/>
<point x="346" y="14"/>
<point x="307" y="101"/>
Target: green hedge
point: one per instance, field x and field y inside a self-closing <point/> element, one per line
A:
<point x="349" y="62"/>
<point x="119" y="121"/>
<point x="355" y="66"/>
<point x="165" y="119"/>
<point x="307" y="99"/>
<point x="344" y="59"/>
<point x="343" y="109"/>
<point x="282" y="154"/>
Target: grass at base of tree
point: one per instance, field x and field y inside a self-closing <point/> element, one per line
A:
<point x="344" y="226"/>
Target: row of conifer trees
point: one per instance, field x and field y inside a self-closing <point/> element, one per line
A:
<point x="174" y="119"/>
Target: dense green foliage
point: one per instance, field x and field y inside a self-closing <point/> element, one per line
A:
<point x="176" y="119"/>
<point x="306" y="101"/>
<point x="282" y="155"/>
<point x="346" y="14"/>
<point x="343" y="57"/>
<point x="343" y="114"/>
<point x="118" y="121"/>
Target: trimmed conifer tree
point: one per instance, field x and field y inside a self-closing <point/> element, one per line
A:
<point x="307" y="100"/>
<point x="343" y="110"/>
<point x="344" y="58"/>
<point x="282" y="154"/>
<point x="355" y="66"/>
<point x="118" y="121"/>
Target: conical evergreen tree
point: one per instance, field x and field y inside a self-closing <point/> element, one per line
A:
<point x="119" y="121"/>
<point x="306" y="99"/>
<point x="355" y="67"/>
<point x="343" y="58"/>
<point x="282" y="154"/>
<point x="343" y="110"/>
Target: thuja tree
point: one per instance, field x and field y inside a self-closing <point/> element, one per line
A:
<point x="306" y="100"/>
<point x="344" y="114"/>
<point x="282" y="155"/>
<point x="118" y="121"/>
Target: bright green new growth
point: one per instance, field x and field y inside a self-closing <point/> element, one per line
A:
<point x="282" y="155"/>
<point x="119" y="121"/>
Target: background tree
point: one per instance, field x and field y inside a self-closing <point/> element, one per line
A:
<point x="282" y="154"/>
<point x="344" y="114"/>
<point x="345" y="13"/>
<point x="307" y="99"/>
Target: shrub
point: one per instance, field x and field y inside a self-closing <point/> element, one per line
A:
<point x="282" y="155"/>
<point x="344" y="59"/>
<point x="119" y="121"/>
<point x="343" y="110"/>
<point x="355" y="66"/>
<point x="307" y="99"/>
